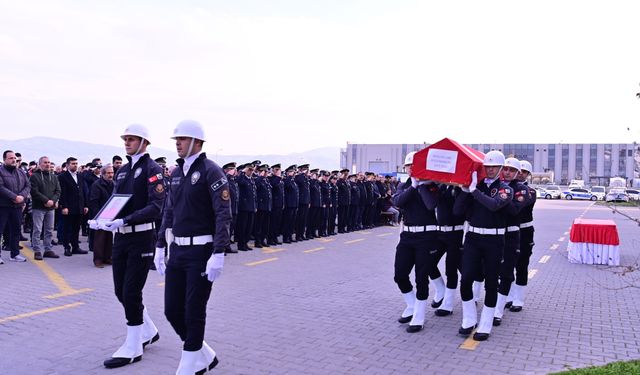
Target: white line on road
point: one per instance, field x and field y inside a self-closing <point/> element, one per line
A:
<point x="544" y="259"/>
<point x="561" y="239"/>
<point x="532" y="273"/>
<point x="554" y="246"/>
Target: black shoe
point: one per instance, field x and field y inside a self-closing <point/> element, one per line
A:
<point x="287" y="241"/>
<point x="414" y="329"/>
<point x="67" y="252"/>
<point x="20" y="246"/>
<point x="497" y="321"/>
<point x="249" y="248"/>
<point x="435" y="304"/>
<point x="258" y="245"/>
<point x="54" y="243"/>
<point x="466" y="331"/>
<point x="153" y="339"/>
<point x="441" y="312"/>
<point x="480" y="336"/>
<point x="231" y="251"/>
<point x="243" y="248"/>
<point x="153" y="267"/>
<point x="50" y="254"/>
<point x="278" y="242"/>
<point x="515" y="308"/>
<point x="213" y="364"/>
<point x="119" y="362"/>
<point x="405" y="319"/>
<point x="23" y="238"/>
<point x="79" y="251"/>
<point x="37" y="255"/>
<point x="508" y="305"/>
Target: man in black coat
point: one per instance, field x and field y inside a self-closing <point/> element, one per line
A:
<point x="230" y="172"/>
<point x="277" y="206"/>
<point x="72" y="206"/>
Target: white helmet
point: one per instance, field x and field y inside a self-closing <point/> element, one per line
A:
<point x="513" y="163"/>
<point x="190" y="129"/>
<point x="493" y="159"/>
<point x="137" y="130"/>
<point x="525" y="166"/>
<point x="408" y="160"/>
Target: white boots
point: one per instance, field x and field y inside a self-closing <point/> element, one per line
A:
<point x="440" y="290"/>
<point x="518" y="297"/>
<point x="407" y="314"/>
<point x="149" y="331"/>
<point x="447" y="304"/>
<point x="198" y="362"/>
<point x="417" y="321"/>
<point x="477" y="289"/>
<point x="469" y="317"/>
<point x="486" y="323"/>
<point x="502" y="301"/>
<point x="130" y="351"/>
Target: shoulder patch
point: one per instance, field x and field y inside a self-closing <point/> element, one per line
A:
<point x="159" y="188"/>
<point x="218" y="184"/>
<point x="155" y="178"/>
<point x="225" y="195"/>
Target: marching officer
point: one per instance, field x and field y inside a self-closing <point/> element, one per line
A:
<point x="344" y="201"/>
<point x="247" y="206"/>
<point x="484" y="205"/>
<point x="417" y="202"/>
<point x="263" y="193"/>
<point x="230" y="172"/>
<point x="304" y="200"/>
<point x="291" y="200"/>
<point x="526" y="242"/>
<point x="195" y="226"/>
<point x="133" y="243"/>
<point x="277" y="207"/>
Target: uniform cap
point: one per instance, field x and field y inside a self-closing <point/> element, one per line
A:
<point x="525" y="166"/>
<point x="229" y="165"/>
<point x="512" y="163"/>
<point x="189" y="129"/>
<point x="291" y="168"/>
<point x="303" y="166"/>
<point x="494" y="159"/>
<point x="314" y="170"/>
<point x="136" y="130"/>
<point x="344" y="170"/>
<point x="161" y="160"/>
<point x="256" y="162"/>
<point x="276" y="166"/>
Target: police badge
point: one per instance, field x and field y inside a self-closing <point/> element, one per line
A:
<point x="195" y="177"/>
<point x="137" y="172"/>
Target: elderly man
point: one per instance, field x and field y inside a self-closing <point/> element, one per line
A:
<point x="45" y="193"/>
<point x="14" y="189"/>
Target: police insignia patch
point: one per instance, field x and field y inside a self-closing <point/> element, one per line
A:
<point x="520" y="198"/>
<point x="494" y="191"/>
<point x="159" y="188"/>
<point x="137" y="172"/>
<point x="218" y="184"/>
<point x="195" y="177"/>
<point x="503" y="195"/>
<point x="225" y="195"/>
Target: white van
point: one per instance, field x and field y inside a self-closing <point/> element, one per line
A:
<point x="599" y="191"/>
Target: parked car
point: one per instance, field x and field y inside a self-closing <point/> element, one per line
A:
<point x="578" y="193"/>
<point x="599" y="191"/>
<point x="617" y="195"/>
<point x="553" y="191"/>
<point x="633" y="194"/>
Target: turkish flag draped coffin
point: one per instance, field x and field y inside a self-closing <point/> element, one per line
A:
<point x="448" y="162"/>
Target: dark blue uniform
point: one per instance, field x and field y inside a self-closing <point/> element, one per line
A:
<point x="344" y="201"/>
<point x="364" y="200"/>
<point x="526" y="238"/>
<point x="325" y="196"/>
<point x="354" y="207"/>
<point x="512" y="235"/>
<point x="291" y="200"/>
<point x="315" y="209"/>
<point x="277" y="208"/>
<point x="333" y="210"/>
<point x="198" y="211"/>
<point x="134" y="243"/>
<point x="263" y="192"/>
<point x="247" y="208"/>
<point x="451" y="233"/>
<point x="235" y="198"/>
<point x="304" y="200"/>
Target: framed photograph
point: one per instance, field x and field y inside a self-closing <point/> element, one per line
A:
<point x="112" y="208"/>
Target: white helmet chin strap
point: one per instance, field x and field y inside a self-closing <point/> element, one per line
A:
<point x="193" y="140"/>
<point x="142" y="140"/>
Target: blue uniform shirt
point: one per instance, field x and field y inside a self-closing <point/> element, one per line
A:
<point x="145" y="181"/>
<point x="263" y="192"/>
<point x="314" y="193"/>
<point x="304" y="197"/>
<point x="247" y="193"/>
<point x="291" y="192"/>
<point x="277" y="192"/>
<point x="417" y="205"/>
<point x="486" y="206"/>
<point x="444" y="210"/>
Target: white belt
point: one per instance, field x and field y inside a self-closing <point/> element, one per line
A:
<point x="493" y="231"/>
<point x="197" y="240"/>
<point x="136" y="228"/>
<point x="448" y="228"/>
<point x="425" y="228"/>
<point x="526" y="225"/>
<point x="513" y="228"/>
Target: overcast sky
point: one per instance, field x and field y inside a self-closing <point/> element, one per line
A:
<point x="285" y="76"/>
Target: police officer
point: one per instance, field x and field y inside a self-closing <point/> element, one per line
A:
<point x="325" y="195"/>
<point x="344" y="201"/>
<point x="247" y="206"/>
<point x="133" y="243"/>
<point x="526" y="242"/>
<point x="277" y="207"/>
<point x="304" y="200"/>
<point x="417" y="201"/>
<point x="263" y="193"/>
<point x="195" y="226"/>
<point x="315" y="203"/>
<point x="484" y="205"/>
<point x="291" y="200"/>
<point x="333" y="210"/>
<point x="364" y="202"/>
<point x="354" y="206"/>
<point x="230" y="172"/>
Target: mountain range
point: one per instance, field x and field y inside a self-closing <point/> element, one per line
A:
<point x="59" y="149"/>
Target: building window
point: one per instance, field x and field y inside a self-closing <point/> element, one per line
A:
<point x="593" y="160"/>
<point x="564" y="169"/>
<point x="607" y="160"/>
<point x="579" y="162"/>
<point x="622" y="161"/>
<point x="552" y="157"/>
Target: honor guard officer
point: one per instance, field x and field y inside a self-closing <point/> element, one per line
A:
<point x="230" y="172"/>
<point x="304" y="200"/>
<point x="419" y="237"/>
<point x="134" y="240"/>
<point x="196" y="228"/>
<point x="246" y="206"/>
<point x="263" y="193"/>
<point x="484" y="206"/>
<point x="512" y="236"/>
<point x="291" y="200"/>
<point x="277" y="207"/>
<point x="344" y="201"/>
<point x="526" y="242"/>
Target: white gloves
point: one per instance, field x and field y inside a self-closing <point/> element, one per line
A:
<point x="474" y="182"/>
<point x="113" y="225"/>
<point x="214" y="266"/>
<point x="93" y="224"/>
<point x="414" y="182"/>
<point x="158" y="260"/>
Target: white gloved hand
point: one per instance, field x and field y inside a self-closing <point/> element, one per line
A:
<point x="414" y="182"/>
<point x="93" y="224"/>
<point x="474" y="182"/>
<point x="113" y="225"/>
<point x="158" y="260"/>
<point x="214" y="266"/>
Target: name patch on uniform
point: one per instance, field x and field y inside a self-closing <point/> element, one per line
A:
<point x="225" y="195"/>
<point x="218" y="184"/>
<point x="155" y="178"/>
<point x="137" y="172"/>
<point x="121" y="176"/>
<point x="195" y="177"/>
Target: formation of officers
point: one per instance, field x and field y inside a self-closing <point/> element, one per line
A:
<point x="299" y="204"/>
<point x="486" y="232"/>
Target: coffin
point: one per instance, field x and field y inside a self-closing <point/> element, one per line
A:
<point x="448" y="162"/>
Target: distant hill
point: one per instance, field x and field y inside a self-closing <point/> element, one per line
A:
<point x="59" y="149"/>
